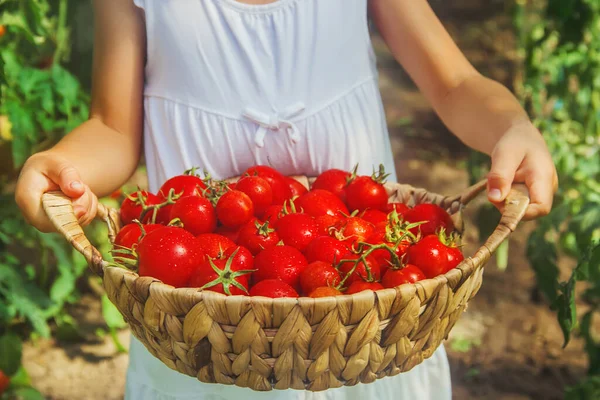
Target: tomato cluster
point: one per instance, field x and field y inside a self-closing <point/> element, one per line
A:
<point x="268" y="235"/>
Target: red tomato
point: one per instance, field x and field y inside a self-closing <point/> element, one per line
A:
<point x="214" y="245"/>
<point x="321" y="202"/>
<point x="360" y="286"/>
<point x="365" y="192"/>
<point x="367" y="270"/>
<point x="325" y="222"/>
<point x="325" y="248"/>
<point x="280" y="262"/>
<point x="432" y="256"/>
<point x="296" y="188"/>
<point x="197" y="214"/>
<point x="272" y="214"/>
<point x="242" y="257"/>
<point x="131" y="208"/>
<point x="353" y="230"/>
<point x="324" y="291"/>
<point x="273" y="288"/>
<point x="281" y="190"/>
<point x="297" y="230"/>
<point x="227" y="276"/>
<point x="434" y="216"/>
<point x="317" y="274"/>
<point x="169" y="254"/>
<point x="234" y="208"/>
<point x="230" y="233"/>
<point x="182" y="185"/>
<point x="129" y="237"/>
<point x="259" y="191"/>
<point x="374" y="216"/>
<point x="400" y="208"/>
<point x="383" y="256"/>
<point x="397" y="277"/>
<point x="257" y="236"/>
<point x="334" y="181"/>
<point x="4" y="379"/>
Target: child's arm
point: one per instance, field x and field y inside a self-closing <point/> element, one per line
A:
<point x="101" y="154"/>
<point x="479" y="111"/>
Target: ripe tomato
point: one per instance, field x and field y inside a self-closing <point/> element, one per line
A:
<point x="435" y="217"/>
<point x="131" y="208"/>
<point x="230" y="233"/>
<point x="317" y="274"/>
<point x="182" y="185"/>
<point x="397" y="277"/>
<point x="353" y="230"/>
<point x="383" y="256"/>
<point x="334" y="181"/>
<point x="432" y="256"/>
<point x="2" y="32"/>
<point x="259" y="191"/>
<point x="367" y="270"/>
<point x="400" y="208"/>
<point x="214" y="245"/>
<point x="273" y="288"/>
<point x="297" y="230"/>
<point x="360" y="286"/>
<point x="280" y="262"/>
<point x="325" y="248"/>
<point x="281" y="190"/>
<point x="242" y="258"/>
<point x="257" y="236"/>
<point x="365" y="192"/>
<point x="235" y="208"/>
<point x="321" y="202"/>
<point x="296" y="188"/>
<point x="227" y="276"/>
<point x="272" y="214"/>
<point x="4" y="380"/>
<point x="324" y="291"/>
<point x="197" y="214"/>
<point x="325" y="222"/>
<point x="374" y="216"/>
<point x="129" y="237"/>
<point x="170" y="254"/>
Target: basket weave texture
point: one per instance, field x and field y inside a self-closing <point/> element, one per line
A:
<point x="305" y="343"/>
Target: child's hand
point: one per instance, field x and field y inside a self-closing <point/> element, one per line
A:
<point x="521" y="155"/>
<point x="44" y="172"/>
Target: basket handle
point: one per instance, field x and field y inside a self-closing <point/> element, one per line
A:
<point x="59" y="209"/>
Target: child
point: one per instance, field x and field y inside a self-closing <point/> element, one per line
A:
<point x="225" y="84"/>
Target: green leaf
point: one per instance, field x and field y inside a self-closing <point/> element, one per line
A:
<point x="11" y="349"/>
<point x="587" y="389"/>
<point x="20" y="378"/>
<point x="565" y="305"/>
<point x="112" y="316"/>
<point x="67" y="87"/>
<point x="27" y="393"/>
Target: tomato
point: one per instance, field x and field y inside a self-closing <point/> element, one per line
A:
<point x="334" y="181"/>
<point x="169" y="254"/>
<point x="432" y="256"/>
<point x="280" y="262"/>
<point x="230" y="233"/>
<point x="281" y="190"/>
<point x="272" y="214"/>
<point x="374" y="216"/>
<point x="214" y="245"/>
<point x="296" y="188"/>
<point x="2" y="32"/>
<point x="353" y="230"/>
<point x="360" y="286"/>
<point x="397" y="277"/>
<point x="317" y="274"/>
<point x="234" y="208"/>
<point x="400" y="208"/>
<point x="242" y="257"/>
<point x="227" y="276"/>
<point x="182" y="185"/>
<point x="325" y="222"/>
<point x="366" y="192"/>
<point x="259" y="191"/>
<point x="132" y="206"/>
<point x="321" y="202"/>
<point x="367" y="270"/>
<point x="257" y="236"/>
<point x="324" y="291"/>
<point x="197" y="214"/>
<point x="273" y="288"/>
<point x="325" y="248"/>
<point x="383" y="256"/>
<point x="297" y="230"/>
<point x="435" y="217"/>
<point x="129" y="237"/>
<point x="4" y="379"/>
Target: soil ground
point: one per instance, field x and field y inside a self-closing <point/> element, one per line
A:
<point x="506" y="346"/>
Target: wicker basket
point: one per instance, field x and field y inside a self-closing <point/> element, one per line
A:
<point x="304" y="343"/>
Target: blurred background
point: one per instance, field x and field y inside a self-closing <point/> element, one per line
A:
<point x="532" y="332"/>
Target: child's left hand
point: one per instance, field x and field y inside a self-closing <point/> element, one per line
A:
<point x="521" y="156"/>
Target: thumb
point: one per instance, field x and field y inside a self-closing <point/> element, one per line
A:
<point x="67" y="178"/>
<point x="502" y="173"/>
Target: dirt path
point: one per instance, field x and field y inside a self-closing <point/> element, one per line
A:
<point x="504" y="347"/>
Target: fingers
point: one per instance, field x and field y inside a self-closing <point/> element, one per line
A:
<point x="505" y="163"/>
<point x="66" y="177"/>
<point x="85" y="207"/>
<point x="542" y="185"/>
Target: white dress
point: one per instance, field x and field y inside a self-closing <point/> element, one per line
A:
<point x="292" y="84"/>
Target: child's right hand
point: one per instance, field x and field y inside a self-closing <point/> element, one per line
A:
<point x="44" y="172"/>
